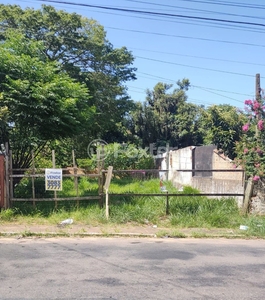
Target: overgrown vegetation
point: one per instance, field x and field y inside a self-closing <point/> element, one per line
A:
<point x="184" y="211"/>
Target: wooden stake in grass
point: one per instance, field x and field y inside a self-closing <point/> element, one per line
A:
<point x="106" y="187"/>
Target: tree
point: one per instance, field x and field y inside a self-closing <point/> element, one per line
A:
<point x="166" y="117"/>
<point x="222" y="127"/>
<point x="120" y="156"/>
<point x="83" y="51"/>
<point x="39" y="102"/>
<point x="251" y="146"/>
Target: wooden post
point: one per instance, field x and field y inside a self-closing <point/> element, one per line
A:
<point x="54" y="166"/>
<point x="75" y="177"/>
<point x="106" y="187"/>
<point x="102" y="189"/>
<point x="107" y="204"/>
<point x="167" y="160"/>
<point x="248" y="195"/>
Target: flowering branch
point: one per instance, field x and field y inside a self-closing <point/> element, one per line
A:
<point x="251" y="148"/>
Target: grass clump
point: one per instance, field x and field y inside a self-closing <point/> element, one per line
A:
<point x="7" y="215"/>
<point x="183" y="211"/>
<point x="203" y="212"/>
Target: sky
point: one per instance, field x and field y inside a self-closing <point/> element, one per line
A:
<point x="217" y="44"/>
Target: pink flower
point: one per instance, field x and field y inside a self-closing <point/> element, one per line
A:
<point x="256" y="105"/>
<point x="245" y="150"/>
<point x="245" y="127"/>
<point x="248" y="102"/>
<point x="260" y="124"/>
<point x="259" y="151"/>
<point x="256" y="178"/>
<point x="257" y="165"/>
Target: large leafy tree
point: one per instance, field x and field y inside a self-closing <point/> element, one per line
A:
<point x="166" y="117"/>
<point x="39" y="102"/>
<point x="222" y="127"/>
<point x="81" y="47"/>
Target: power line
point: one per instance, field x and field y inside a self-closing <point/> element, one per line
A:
<point x="157" y="13"/>
<point x="201" y="68"/>
<point x="207" y="89"/>
<point x="196" y="10"/>
<point x="192" y="22"/>
<point x="210" y="91"/>
<point x="228" y="3"/>
<point x="179" y="64"/>
<point x="200" y="57"/>
<point x="174" y="63"/>
<point x="187" y="37"/>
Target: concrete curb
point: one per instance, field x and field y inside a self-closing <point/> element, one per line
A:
<point x="66" y="234"/>
<point x="31" y="234"/>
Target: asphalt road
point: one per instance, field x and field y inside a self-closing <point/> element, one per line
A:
<point x="130" y="268"/>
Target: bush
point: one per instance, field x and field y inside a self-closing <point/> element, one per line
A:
<point x="121" y="157"/>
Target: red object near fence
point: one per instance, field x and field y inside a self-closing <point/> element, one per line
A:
<point x="2" y="181"/>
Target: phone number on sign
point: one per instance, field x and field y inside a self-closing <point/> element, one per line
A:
<point x="53" y="185"/>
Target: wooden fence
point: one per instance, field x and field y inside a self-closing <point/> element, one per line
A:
<point x="36" y="176"/>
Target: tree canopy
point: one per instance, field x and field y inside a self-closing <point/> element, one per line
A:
<point x="166" y="117"/>
<point x="39" y="102"/>
<point x="222" y="127"/>
<point x="61" y="78"/>
<point x="63" y="83"/>
<point x="80" y="46"/>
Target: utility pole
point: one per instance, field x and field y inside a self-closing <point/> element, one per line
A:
<point x="250" y="183"/>
<point x="258" y="99"/>
<point x="258" y="89"/>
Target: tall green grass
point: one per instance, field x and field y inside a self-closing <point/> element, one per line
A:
<point x="183" y="211"/>
<point x="204" y="212"/>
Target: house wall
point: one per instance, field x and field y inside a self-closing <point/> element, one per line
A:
<point x="221" y="182"/>
<point x="222" y="162"/>
<point x="219" y="186"/>
<point x="180" y="159"/>
<point x="207" y="182"/>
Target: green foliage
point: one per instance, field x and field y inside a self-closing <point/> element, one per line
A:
<point x="141" y="210"/>
<point x="130" y="185"/>
<point x="85" y="187"/>
<point x="222" y="127"/>
<point x="204" y="212"/>
<point x="251" y="147"/>
<point x="7" y="215"/>
<point x="166" y="116"/>
<point x="256" y="226"/>
<point x="190" y="212"/>
<point x="24" y="188"/>
<point x="121" y="157"/>
<point x="87" y="164"/>
<point x="84" y="53"/>
<point x="190" y="190"/>
<point x="41" y="103"/>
